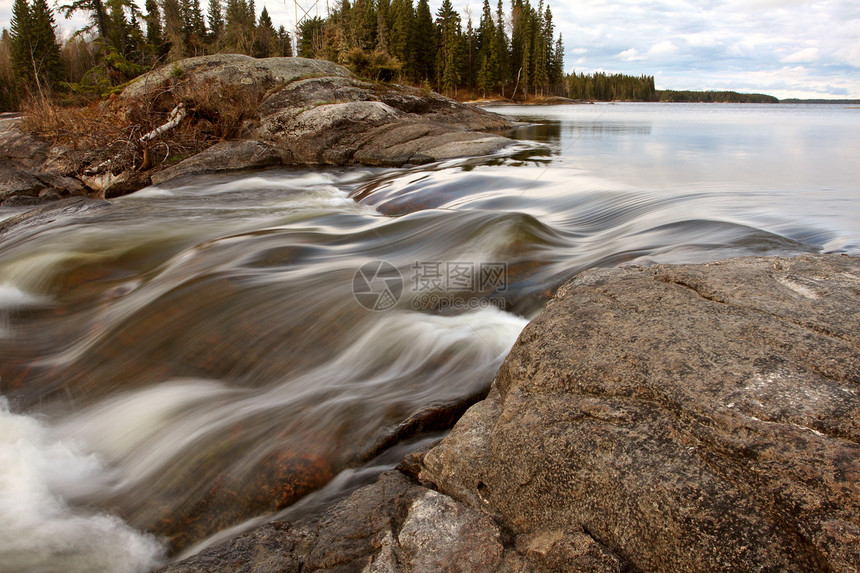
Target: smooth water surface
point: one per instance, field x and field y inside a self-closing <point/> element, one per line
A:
<point x="197" y="358"/>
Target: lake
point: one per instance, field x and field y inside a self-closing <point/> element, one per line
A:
<point x="199" y="358"/>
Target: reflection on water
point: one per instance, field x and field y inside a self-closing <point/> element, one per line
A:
<point x="196" y="355"/>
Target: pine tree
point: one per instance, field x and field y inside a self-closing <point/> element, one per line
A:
<point x="265" y="43"/>
<point x="400" y="41"/>
<point x="424" y="38"/>
<point x="216" y="22"/>
<point x="237" y="27"/>
<point x="154" y="37"/>
<point x="35" y="54"/>
<point x="195" y="25"/>
<point x="448" y="60"/>
<point x="21" y="27"/>
<point x="285" y="45"/>
<point x="501" y="54"/>
<point x="118" y="27"/>
<point x="310" y="40"/>
<point x="173" y="29"/>
<point x="98" y="15"/>
<point x="485" y="41"/>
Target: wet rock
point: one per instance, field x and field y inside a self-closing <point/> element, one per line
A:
<point x="276" y="547"/>
<point x="224" y="156"/>
<point x="391" y="525"/>
<point x="685" y="418"/>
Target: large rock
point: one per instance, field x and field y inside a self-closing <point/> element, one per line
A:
<point x="315" y="112"/>
<point x="393" y="525"/>
<point x="683" y="418"/>
<point x="26" y="175"/>
<point x="233" y="69"/>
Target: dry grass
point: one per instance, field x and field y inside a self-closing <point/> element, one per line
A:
<point x="112" y="129"/>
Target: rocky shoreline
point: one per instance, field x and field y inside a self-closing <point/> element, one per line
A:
<point x="305" y="112"/>
<point x="680" y="417"/>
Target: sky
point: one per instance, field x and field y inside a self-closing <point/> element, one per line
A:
<point x="785" y="48"/>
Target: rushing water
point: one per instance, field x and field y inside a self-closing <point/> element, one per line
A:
<point x="193" y="358"/>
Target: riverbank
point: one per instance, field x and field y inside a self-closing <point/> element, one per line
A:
<point x="229" y="113"/>
<point x="691" y="417"/>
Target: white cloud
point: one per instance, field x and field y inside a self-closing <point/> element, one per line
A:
<point x="804" y="55"/>
<point x="663" y="48"/>
<point x="631" y="55"/>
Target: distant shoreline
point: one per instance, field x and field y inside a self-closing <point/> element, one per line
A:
<point x="568" y="101"/>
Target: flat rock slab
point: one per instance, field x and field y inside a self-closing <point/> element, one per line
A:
<point x="677" y="418"/>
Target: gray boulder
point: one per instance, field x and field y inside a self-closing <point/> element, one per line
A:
<point x="314" y="112"/>
<point x="684" y="418"/>
<point x="25" y="178"/>
<point x="232" y="69"/>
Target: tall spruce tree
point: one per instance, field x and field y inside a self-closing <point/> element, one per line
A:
<point x="216" y="23"/>
<point x="285" y="44"/>
<point x="485" y="41"/>
<point x="448" y="57"/>
<point x="35" y="54"/>
<point x="154" y="37"/>
<point x="266" y="40"/>
<point x="173" y="29"/>
<point x="424" y="39"/>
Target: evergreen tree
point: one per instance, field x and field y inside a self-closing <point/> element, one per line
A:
<point x="424" y="43"/>
<point x="401" y="19"/>
<point x="449" y="57"/>
<point x="252" y="15"/>
<point x="118" y="26"/>
<point x="310" y="40"/>
<point x="285" y="45"/>
<point x="173" y="29"/>
<point x="216" y="23"/>
<point x="556" y="73"/>
<point x="238" y="27"/>
<point x="98" y="15"/>
<point x="194" y="24"/>
<point x="154" y="46"/>
<point x="485" y="40"/>
<point x="21" y="27"/>
<point x="500" y="55"/>
<point x="266" y="41"/>
<point x="382" y="8"/>
<point x="35" y="54"/>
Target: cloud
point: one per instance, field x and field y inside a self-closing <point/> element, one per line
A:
<point x="631" y="55"/>
<point x="804" y="55"/>
<point x="663" y="48"/>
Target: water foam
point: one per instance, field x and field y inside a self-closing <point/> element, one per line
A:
<point x="40" y="529"/>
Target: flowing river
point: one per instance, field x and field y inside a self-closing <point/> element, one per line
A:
<point x="198" y="358"/>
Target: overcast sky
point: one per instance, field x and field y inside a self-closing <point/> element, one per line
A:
<point x="787" y="48"/>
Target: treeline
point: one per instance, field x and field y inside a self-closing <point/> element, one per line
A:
<point x="712" y="97"/>
<point x="615" y="87"/>
<point x="619" y="87"/>
<point x="121" y="42"/>
<point x="513" y="54"/>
